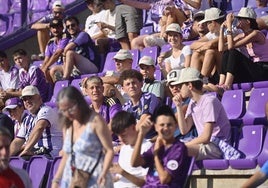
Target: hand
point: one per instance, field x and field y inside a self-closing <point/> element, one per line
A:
<point x="177" y="99"/>
<point x="26" y="152"/>
<point x="3" y="94"/>
<point x="116" y="169"/>
<point x="158" y="144"/>
<point x="101" y="180"/>
<point x="144" y="125"/>
<point x="229" y="19"/>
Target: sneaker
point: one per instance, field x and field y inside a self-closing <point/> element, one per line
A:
<point x="41" y="56"/>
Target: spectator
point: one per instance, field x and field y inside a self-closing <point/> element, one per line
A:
<point x="141" y="104"/>
<point x="10" y="176"/>
<point x="39" y="133"/>
<point x="124" y="126"/>
<point x="107" y="107"/>
<point x="91" y="27"/>
<point x="80" y="56"/>
<point x="54" y="49"/>
<point x="6" y="122"/>
<point x="238" y="67"/>
<point x="14" y="106"/>
<point x="167" y="159"/>
<point x="206" y="112"/>
<point x="180" y="54"/>
<point x="123" y="61"/>
<point x="258" y="177"/>
<point x="206" y="58"/>
<point x="87" y="141"/>
<point x="150" y="84"/>
<point x="42" y="26"/>
<point x="30" y="75"/>
<point x="9" y="78"/>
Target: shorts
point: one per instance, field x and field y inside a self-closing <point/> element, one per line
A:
<point x="128" y="20"/>
<point x="153" y="40"/>
<point x="208" y="151"/>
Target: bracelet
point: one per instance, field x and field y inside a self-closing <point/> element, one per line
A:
<point x="56" y="180"/>
<point x="228" y="32"/>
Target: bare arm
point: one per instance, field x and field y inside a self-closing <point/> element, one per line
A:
<point x="50" y="61"/>
<point x="137" y="4"/>
<point x="197" y="44"/>
<point x="187" y="61"/>
<point x="255" y="180"/>
<point x="39" y="26"/>
<point x="16" y="146"/>
<point x="204" y="137"/>
<point x="70" y="46"/>
<point x="57" y="177"/>
<point x="110" y="79"/>
<point x="194" y="3"/>
<point x="104" y="135"/>
<point x="35" y="135"/>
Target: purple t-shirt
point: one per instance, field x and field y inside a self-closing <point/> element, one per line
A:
<point x="174" y="162"/>
<point x="210" y="109"/>
<point x="52" y="46"/>
<point x="34" y="77"/>
<point x="109" y="108"/>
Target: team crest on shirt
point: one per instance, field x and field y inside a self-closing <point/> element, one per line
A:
<point x="172" y="165"/>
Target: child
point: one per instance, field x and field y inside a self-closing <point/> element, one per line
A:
<point x="167" y="159"/>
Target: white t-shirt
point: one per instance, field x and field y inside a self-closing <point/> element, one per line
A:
<point x="124" y="162"/>
<point x="178" y="62"/>
<point x="90" y="26"/>
<point x="109" y="18"/>
<point x="10" y="79"/>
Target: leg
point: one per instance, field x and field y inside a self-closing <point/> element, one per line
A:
<point x="209" y="62"/>
<point x="138" y="43"/>
<point x="197" y="60"/>
<point x="56" y="73"/>
<point x="43" y="38"/>
<point x="68" y="64"/>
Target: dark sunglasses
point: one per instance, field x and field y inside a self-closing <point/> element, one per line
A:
<point x="71" y="25"/>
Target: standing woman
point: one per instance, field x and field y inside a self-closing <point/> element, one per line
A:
<point x="250" y="62"/>
<point x="87" y="143"/>
<point x="180" y="53"/>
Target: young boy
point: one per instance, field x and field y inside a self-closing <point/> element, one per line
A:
<point x="124" y="126"/>
<point x="167" y="159"/>
<point x="206" y="112"/>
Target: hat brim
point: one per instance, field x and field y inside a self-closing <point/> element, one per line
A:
<point x="212" y="19"/>
<point x="13" y="106"/>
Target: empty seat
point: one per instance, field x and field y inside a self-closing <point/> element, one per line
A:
<point x="136" y="56"/>
<point x="58" y="86"/>
<point x="234" y="104"/>
<point x="54" y="167"/>
<point x="244" y="86"/>
<point x="38" y="170"/>
<point x="263" y="157"/>
<point x="147" y="30"/>
<point x="236" y="5"/>
<point x="109" y="63"/>
<point x="76" y="83"/>
<point x="260" y="84"/>
<point x="255" y="113"/>
<point x="251" y="3"/>
<point x="4" y="8"/>
<point x="150" y="51"/>
<point x="36" y="15"/>
<point x="18" y="162"/>
<point x="39" y="5"/>
<point x="250" y="144"/>
<point x="38" y="63"/>
<point x="165" y="48"/>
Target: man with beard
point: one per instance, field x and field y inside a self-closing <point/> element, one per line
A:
<point x="54" y="49"/>
<point x="10" y="176"/>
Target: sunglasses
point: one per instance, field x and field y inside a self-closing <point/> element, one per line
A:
<point x="71" y="25"/>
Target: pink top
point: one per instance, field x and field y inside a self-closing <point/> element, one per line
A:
<point x="258" y="52"/>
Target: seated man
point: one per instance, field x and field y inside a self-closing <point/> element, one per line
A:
<point x="124" y="126"/>
<point x="42" y="26"/>
<point x="80" y="55"/>
<point x="39" y="133"/>
<point x="54" y="49"/>
<point x="9" y="78"/>
<point x="140" y="104"/>
<point x="206" y="112"/>
<point x="150" y="84"/>
<point x="30" y="74"/>
<point x="123" y="61"/>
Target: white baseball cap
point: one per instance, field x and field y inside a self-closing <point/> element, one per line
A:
<point x="58" y="4"/>
<point x="212" y="14"/>
<point x="29" y="91"/>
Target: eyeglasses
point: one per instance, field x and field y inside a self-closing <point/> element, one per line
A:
<point x="26" y="98"/>
<point x="71" y="25"/>
<point x="69" y="110"/>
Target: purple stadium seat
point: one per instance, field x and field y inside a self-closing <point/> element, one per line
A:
<point x="109" y="62"/>
<point x="251" y="3"/>
<point x="39" y="5"/>
<point x="158" y="74"/>
<point x="234" y="104"/>
<point x="255" y="113"/>
<point x="153" y="52"/>
<point x="76" y="83"/>
<point x="260" y="84"/>
<point x="38" y="63"/>
<point x="244" y="86"/>
<point x="58" y="86"/>
<point x="147" y="30"/>
<point x="165" y="48"/>
<point x="18" y="162"/>
<point x="263" y="157"/>
<point x="38" y="169"/>
<point x="136" y="56"/>
<point x="236" y="5"/>
<point x="36" y="15"/>
<point x="250" y="144"/>
<point x="54" y="167"/>
<point x="4" y="23"/>
<point x="4" y="8"/>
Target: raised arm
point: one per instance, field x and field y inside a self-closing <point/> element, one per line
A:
<point x="137" y="4"/>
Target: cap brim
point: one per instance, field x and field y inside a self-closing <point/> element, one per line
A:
<point x="13" y="106"/>
<point x="204" y="21"/>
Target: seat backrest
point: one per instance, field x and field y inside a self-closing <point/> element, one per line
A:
<point x="165" y="48"/>
<point x="109" y="63"/>
<point x="18" y="162"/>
<point x="58" y="86"/>
<point x="147" y="30"/>
<point x="263" y="157"/>
<point x="4" y="8"/>
<point x="54" y="167"/>
<point x="38" y="170"/>
<point x="234" y="103"/>
<point x="150" y="51"/>
<point x="244" y="86"/>
<point x="260" y="84"/>
<point x="158" y="74"/>
<point x="251" y="3"/>
<point x="136" y="56"/>
<point x="39" y="5"/>
<point x="251" y="138"/>
<point x="257" y="101"/>
<point x="76" y="83"/>
<point x="236" y="5"/>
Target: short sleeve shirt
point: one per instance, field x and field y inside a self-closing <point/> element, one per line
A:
<point x="10" y="79"/>
<point x="109" y="108"/>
